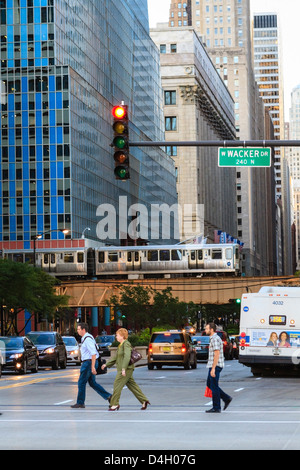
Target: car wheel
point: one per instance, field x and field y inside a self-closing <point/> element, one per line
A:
<point x="194" y="365"/>
<point x="36" y="367"/>
<point x="63" y="363"/>
<point x="55" y="363"/>
<point x="187" y="364"/>
<point x="24" y="370"/>
<point x="150" y="366"/>
<point x="0" y="370"/>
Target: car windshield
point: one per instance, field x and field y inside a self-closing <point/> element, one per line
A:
<point x="201" y="339"/>
<point x="167" y="338"/>
<point x="105" y="339"/>
<point x="70" y="341"/>
<point x="37" y="338"/>
<point x="11" y="343"/>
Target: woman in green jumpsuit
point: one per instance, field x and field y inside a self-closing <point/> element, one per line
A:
<point x="124" y="373"/>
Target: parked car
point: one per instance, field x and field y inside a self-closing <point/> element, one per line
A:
<point x="172" y="348"/>
<point x="227" y="344"/>
<point x="104" y="342"/>
<point x="202" y="346"/>
<point x="18" y="354"/>
<point x="51" y="348"/>
<point x="73" y="349"/>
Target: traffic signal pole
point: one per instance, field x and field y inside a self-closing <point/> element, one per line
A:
<point x="218" y="143"/>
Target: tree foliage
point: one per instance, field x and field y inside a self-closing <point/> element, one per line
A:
<point x="23" y="286"/>
<point x="145" y="307"/>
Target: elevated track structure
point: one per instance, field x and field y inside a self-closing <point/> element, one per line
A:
<point x="203" y="290"/>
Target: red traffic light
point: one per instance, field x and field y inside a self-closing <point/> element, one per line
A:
<point x="119" y="112"/>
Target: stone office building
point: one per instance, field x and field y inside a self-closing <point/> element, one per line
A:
<point x="197" y="107"/>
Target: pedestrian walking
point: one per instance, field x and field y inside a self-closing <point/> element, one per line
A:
<point x="88" y="372"/>
<point x="124" y="373"/>
<point x="215" y="365"/>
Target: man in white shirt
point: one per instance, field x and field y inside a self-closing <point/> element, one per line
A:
<point x="88" y="370"/>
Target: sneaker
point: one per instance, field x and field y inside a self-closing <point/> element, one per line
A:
<point x="77" y="405"/>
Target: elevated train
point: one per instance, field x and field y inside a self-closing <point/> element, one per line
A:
<point x="138" y="261"/>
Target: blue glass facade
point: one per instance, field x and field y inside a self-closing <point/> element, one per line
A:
<point x="63" y="65"/>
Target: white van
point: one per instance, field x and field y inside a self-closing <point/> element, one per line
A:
<point x="270" y="329"/>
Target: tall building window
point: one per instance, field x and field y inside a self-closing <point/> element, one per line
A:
<point x="170" y="97"/>
<point x="171" y="150"/>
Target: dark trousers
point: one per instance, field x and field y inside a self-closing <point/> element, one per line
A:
<point x="85" y="377"/>
<point x="217" y="392"/>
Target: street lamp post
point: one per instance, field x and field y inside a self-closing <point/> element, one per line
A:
<point x="38" y="236"/>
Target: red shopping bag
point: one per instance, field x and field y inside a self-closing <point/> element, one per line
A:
<point x="208" y="392"/>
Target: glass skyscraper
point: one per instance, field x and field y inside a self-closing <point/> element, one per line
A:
<point x="64" y="64"/>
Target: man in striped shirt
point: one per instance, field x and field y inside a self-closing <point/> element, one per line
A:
<point x="215" y="365"/>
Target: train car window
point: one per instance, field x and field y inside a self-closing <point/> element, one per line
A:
<point x="68" y="258"/>
<point x="80" y="257"/>
<point x="236" y="253"/>
<point x="136" y="256"/>
<point x="112" y="256"/>
<point x="200" y="254"/>
<point x="46" y="259"/>
<point x="52" y="258"/>
<point x="216" y="254"/>
<point x="101" y="257"/>
<point x="176" y="255"/>
<point x="164" y="255"/>
<point x="152" y="255"/>
<point x="228" y="253"/>
<point x="129" y="257"/>
<point x="193" y="255"/>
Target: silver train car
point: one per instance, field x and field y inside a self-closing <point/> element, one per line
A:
<point x="164" y="260"/>
<point x="140" y="261"/>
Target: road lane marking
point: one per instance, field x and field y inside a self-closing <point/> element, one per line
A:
<point x="131" y="411"/>
<point x="239" y="389"/>
<point x="63" y="402"/>
<point x="34" y="381"/>
<point x="142" y="421"/>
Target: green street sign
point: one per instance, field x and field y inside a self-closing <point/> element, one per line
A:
<point x="245" y="157"/>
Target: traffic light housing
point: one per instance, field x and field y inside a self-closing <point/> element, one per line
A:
<point x="235" y="301"/>
<point x="120" y="142"/>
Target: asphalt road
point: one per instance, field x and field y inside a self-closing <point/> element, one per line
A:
<point x="264" y="413"/>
